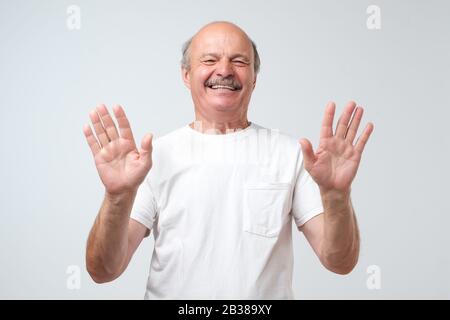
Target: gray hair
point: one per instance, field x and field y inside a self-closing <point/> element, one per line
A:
<point x="186" y="63"/>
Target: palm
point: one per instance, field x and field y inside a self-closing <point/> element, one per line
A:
<point x="120" y="165"/>
<point x="336" y="161"/>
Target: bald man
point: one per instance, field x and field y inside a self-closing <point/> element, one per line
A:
<point x="221" y="193"/>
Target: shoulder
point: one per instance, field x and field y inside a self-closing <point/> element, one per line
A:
<point x="170" y="137"/>
<point x="169" y="140"/>
<point x="278" y="138"/>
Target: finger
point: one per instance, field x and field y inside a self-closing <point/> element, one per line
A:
<point x="363" y="138"/>
<point x="146" y="147"/>
<point x="308" y="154"/>
<point x="341" y="127"/>
<point x="91" y="140"/>
<point x="327" y="124"/>
<point x="98" y="128"/>
<point x="354" y="124"/>
<point x="124" y="124"/>
<point x="108" y="122"/>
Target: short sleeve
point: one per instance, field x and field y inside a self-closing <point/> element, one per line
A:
<point x="306" y="202"/>
<point x="144" y="208"/>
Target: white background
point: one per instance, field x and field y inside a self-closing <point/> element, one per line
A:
<point x="128" y="52"/>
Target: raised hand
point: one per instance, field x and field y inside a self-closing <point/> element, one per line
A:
<point x="121" y="166"/>
<point x="335" y="163"/>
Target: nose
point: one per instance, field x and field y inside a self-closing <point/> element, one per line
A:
<point x="224" y="68"/>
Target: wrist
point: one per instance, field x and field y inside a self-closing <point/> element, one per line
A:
<point x="120" y="198"/>
<point x="335" y="193"/>
<point x="336" y="200"/>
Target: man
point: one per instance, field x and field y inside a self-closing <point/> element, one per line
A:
<point x="221" y="192"/>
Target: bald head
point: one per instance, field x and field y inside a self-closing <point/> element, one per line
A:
<point x="212" y="30"/>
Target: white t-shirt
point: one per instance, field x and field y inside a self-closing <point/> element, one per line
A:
<point x="221" y="209"/>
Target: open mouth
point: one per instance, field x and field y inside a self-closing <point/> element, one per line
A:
<point x="223" y="84"/>
<point x="218" y="86"/>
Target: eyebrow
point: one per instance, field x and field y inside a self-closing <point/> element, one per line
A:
<point x="209" y="54"/>
<point x="234" y="56"/>
<point x="240" y="56"/>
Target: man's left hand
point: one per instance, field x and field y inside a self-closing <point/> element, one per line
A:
<point x="335" y="163"/>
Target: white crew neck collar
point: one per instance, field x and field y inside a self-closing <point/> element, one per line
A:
<point x="234" y="134"/>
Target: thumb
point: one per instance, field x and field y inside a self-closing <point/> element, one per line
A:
<point x="308" y="154"/>
<point x="146" y="146"/>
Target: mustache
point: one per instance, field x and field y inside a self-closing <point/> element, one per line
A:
<point x="224" y="82"/>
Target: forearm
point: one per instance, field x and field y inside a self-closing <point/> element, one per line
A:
<point x="108" y="240"/>
<point x="340" y="246"/>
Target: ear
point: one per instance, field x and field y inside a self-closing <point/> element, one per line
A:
<point x="254" y="83"/>
<point x="186" y="77"/>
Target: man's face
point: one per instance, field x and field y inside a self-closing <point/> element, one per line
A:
<point x="221" y="77"/>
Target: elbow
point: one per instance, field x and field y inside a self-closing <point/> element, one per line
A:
<point x="341" y="270"/>
<point x="98" y="273"/>
<point x="100" y="277"/>
<point x="342" y="266"/>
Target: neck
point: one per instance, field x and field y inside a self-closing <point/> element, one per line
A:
<point x="219" y="125"/>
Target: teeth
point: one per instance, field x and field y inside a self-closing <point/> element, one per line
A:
<point x="222" y="87"/>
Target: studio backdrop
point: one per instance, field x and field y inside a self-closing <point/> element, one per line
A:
<point x="59" y="59"/>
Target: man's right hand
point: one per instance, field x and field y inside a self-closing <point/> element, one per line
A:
<point x="121" y="166"/>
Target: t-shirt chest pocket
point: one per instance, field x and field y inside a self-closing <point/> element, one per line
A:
<point x="265" y="208"/>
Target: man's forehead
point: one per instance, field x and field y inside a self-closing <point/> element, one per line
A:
<point x="221" y="38"/>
